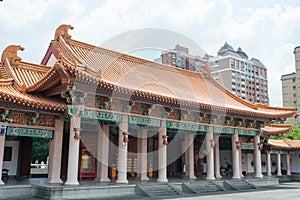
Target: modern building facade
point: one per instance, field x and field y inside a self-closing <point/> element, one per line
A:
<point x="111" y="117"/>
<point x="243" y="77"/>
<point x="290" y="87"/>
<point x="181" y="58"/>
<point x="247" y="78"/>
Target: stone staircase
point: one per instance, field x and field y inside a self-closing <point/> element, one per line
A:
<point x="239" y="185"/>
<point x="201" y="187"/>
<point x="158" y="190"/>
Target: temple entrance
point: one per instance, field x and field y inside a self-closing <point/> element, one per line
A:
<point x="199" y="158"/>
<point x="175" y="155"/>
<point x="26" y="157"/>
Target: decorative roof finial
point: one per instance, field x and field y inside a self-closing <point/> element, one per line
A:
<point x="11" y="54"/>
<point x="62" y="30"/>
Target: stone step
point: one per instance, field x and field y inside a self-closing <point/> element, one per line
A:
<point x="159" y="190"/>
<point x="241" y="184"/>
<point x="205" y="186"/>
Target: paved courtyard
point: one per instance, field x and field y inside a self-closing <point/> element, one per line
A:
<point x="288" y="191"/>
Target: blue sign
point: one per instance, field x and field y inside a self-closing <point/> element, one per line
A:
<point x="2" y="129"/>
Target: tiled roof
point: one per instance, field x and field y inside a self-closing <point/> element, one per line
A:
<point x="17" y="77"/>
<point x="28" y="73"/>
<point x="121" y="72"/>
<point x="276" y="129"/>
<point x="285" y="144"/>
<point x="9" y="93"/>
<point x="141" y="75"/>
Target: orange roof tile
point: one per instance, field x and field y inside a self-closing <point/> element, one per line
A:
<point x="3" y="74"/>
<point x="9" y="93"/>
<point x="285" y="144"/>
<point x="276" y="129"/>
<point x="28" y="73"/>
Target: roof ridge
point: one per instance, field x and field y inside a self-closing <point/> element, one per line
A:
<point x="44" y="79"/>
<point x="40" y="66"/>
<point x="274" y="107"/>
<point x="67" y="47"/>
<point x="135" y="59"/>
<point x="13" y="75"/>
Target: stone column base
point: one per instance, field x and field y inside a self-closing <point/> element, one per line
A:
<point x="162" y="180"/>
<point x="145" y="178"/>
<point x="53" y="181"/>
<point x="104" y="180"/>
<point x="259" y="176"/>
<point x="122" y="181"/>
<point x="72" y="183"/>
<point x="218" y="176"/>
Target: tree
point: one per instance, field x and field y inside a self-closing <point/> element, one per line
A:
<point x="40" y="149"/>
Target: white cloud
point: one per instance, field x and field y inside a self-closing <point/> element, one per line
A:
<point x="15" y="15"/>
<point x="268" y="33"/>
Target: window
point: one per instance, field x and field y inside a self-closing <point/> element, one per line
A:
<point x="7" y="154"/>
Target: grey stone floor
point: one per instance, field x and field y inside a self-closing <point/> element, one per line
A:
<point x="285" y="191"/>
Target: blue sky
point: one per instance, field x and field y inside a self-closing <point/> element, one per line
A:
<point x="267" y="30"/>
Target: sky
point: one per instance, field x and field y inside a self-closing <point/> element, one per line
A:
<point x="267" y="30"/>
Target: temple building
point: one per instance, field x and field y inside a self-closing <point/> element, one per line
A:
<point x="110" y="117"/>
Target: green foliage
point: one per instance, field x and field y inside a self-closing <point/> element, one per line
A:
<point x="40" y="149"/>
<point x="294" y="135"/>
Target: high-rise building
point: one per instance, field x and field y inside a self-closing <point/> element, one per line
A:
<point x="245" y="78"/>
<point x="291" y="86"/>
<point x="180" y="57"/>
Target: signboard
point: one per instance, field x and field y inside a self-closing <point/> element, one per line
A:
<point x="100" y="115"/>
<point x="225" y="130"/>
<point x="246" y="132"/>
<point x="294" y="152"/>
<point x="186" y="126"/>
<point x="30" y="132"/>
<point x="281" y="152"/>
<point x="2" y="128"/>
<point x="144" y="121"/>
<point x="247" y="146"/>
